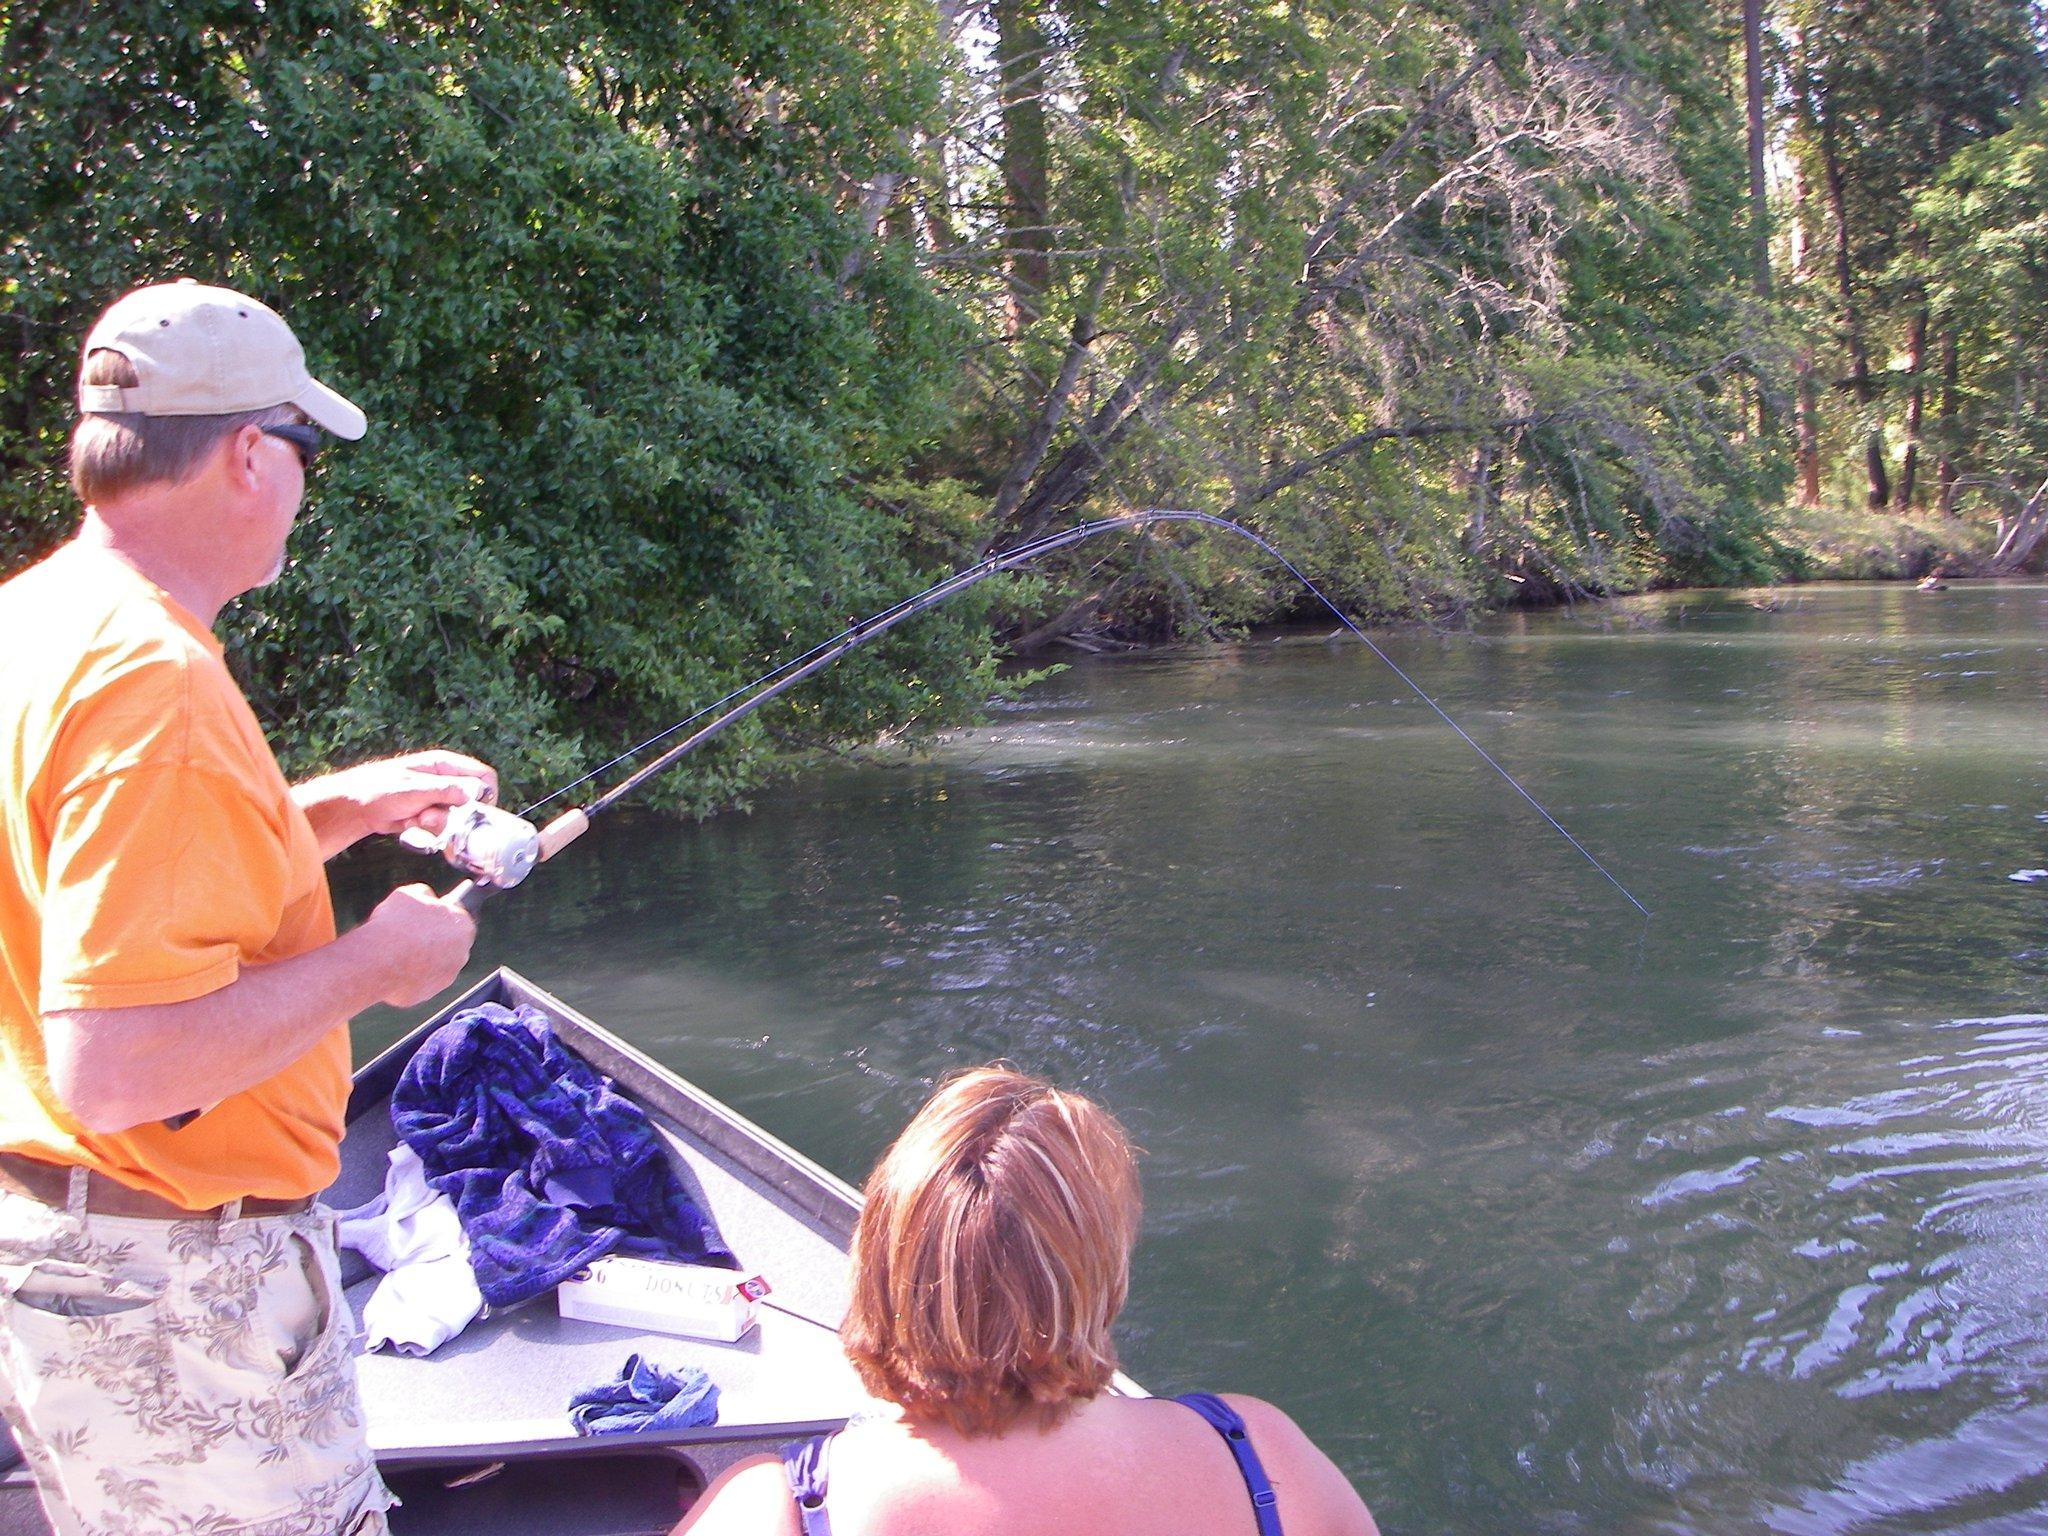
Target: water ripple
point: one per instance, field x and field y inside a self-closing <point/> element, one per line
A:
<point x="1921" y="1225"/>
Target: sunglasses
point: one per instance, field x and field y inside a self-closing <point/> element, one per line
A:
<point x="302" y="437"/>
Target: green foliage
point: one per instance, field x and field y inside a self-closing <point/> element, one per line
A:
<point x="1883" y="100"/>
<point x="626" y="354"/>
<point x="1987" y="271"/>
<point x="1454" y="309"/>
<point x="691" y="332"/>
<point x="1895" y="91"/>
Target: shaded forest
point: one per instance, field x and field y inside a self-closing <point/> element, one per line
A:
<point x="691" y="332"/>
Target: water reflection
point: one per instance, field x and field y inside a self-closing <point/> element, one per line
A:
<point x="1539" y="1219"/>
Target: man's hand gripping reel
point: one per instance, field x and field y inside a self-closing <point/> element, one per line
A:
<point x="494" y="848"/>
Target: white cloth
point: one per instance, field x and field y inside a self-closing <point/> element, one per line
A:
<point x="428" y="1294"/>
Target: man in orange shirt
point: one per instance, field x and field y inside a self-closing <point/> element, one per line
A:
<point x="174" y="1000"/>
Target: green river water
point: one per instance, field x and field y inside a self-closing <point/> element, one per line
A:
<point x="1538" y="1217"/>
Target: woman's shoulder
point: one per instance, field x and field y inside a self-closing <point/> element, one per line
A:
<point x="1260" y="1415"/>
<point x="753" y="1497"/>
<point x="1274" y="1435"/>
<point x="750" y="1498"/>
<point x="884" y="1476"/>
<point x="1314" y="1496"/>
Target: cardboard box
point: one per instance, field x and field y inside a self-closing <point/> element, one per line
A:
<point x="693" y="1300"/>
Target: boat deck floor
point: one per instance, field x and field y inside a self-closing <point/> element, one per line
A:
<point x="503" y="1387"/>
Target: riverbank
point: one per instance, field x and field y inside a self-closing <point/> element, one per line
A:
<point x="1858" y="558"/>
<point x="1830" y="543"/>
<point x="1841" y="544"/>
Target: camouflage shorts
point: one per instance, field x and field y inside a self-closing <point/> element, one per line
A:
<point x="189" y="1377"/>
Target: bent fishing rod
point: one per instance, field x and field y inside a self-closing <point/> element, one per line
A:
<point x="497" y="850"/>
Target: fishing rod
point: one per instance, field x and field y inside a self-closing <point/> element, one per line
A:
<point x="497" y="850"/>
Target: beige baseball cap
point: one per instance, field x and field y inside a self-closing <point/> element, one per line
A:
<point x="205" y="351"/>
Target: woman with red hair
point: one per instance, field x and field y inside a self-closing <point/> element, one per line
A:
<point x="991" y="1259"/>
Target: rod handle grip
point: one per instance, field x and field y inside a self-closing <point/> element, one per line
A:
<point x="562" y="831"/>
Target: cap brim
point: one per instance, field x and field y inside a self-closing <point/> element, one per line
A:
<point x="336" y="413"/>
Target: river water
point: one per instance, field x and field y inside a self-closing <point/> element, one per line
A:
<point x="1537" y="1216"/>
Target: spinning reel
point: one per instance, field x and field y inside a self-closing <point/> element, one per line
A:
<point x="487" y="843"/>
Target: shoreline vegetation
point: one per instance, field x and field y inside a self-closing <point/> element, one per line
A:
<point x="1821" y="545"/>
<point x="690" y="334"/>
<point x="1304" y="634"/>
<point x="1847" y="544"/>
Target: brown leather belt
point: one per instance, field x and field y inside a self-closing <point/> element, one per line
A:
<point x="51" y="1184"/>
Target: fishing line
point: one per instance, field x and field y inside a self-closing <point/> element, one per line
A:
<point x="497" y="850"/>
<point x="1485" y="756"/>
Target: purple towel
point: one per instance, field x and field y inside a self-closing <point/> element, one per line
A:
<point x="548" y="1165"/>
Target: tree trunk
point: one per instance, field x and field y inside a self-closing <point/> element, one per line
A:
<point x="1808" y="451"/>
<point x="1916" y="399"/>
<point x="1759" y="208"/>
<point x="1945" y="461"/>
<point x="1482" y="498"/>
<point x="1067" y="620"/>
<point x="2025" y="534"/>
<point x="1021" y="55"/>
<point x="933" y="203"/>
<point x="1879" y="490"/>
<point x="1070" y="478"/>
<point x="1809" y="432"/>
<point x="1052" y="410"/>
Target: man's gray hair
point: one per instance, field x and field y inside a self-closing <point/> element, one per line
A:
<point x="115" y="452"/>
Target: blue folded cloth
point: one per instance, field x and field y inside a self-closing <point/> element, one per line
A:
<point x="548" y="1165"/>
<point x="645" y="1396"/>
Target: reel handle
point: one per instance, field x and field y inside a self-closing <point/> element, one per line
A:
<point x="471" y="897"/>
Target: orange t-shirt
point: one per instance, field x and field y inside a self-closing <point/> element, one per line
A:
<point x="149" y="849"/>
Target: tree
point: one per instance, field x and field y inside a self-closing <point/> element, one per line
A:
<point x="1883" y="95"/>
<point x="1753" y="102"/>
<point x="1985" y="271"/>
<point x="1358" y="273"/>
<point x="1023" y="69"/>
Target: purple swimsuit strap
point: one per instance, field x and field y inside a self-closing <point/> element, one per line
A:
<point x="804" y="1463"/>
<point x="1226" y="1421"/>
